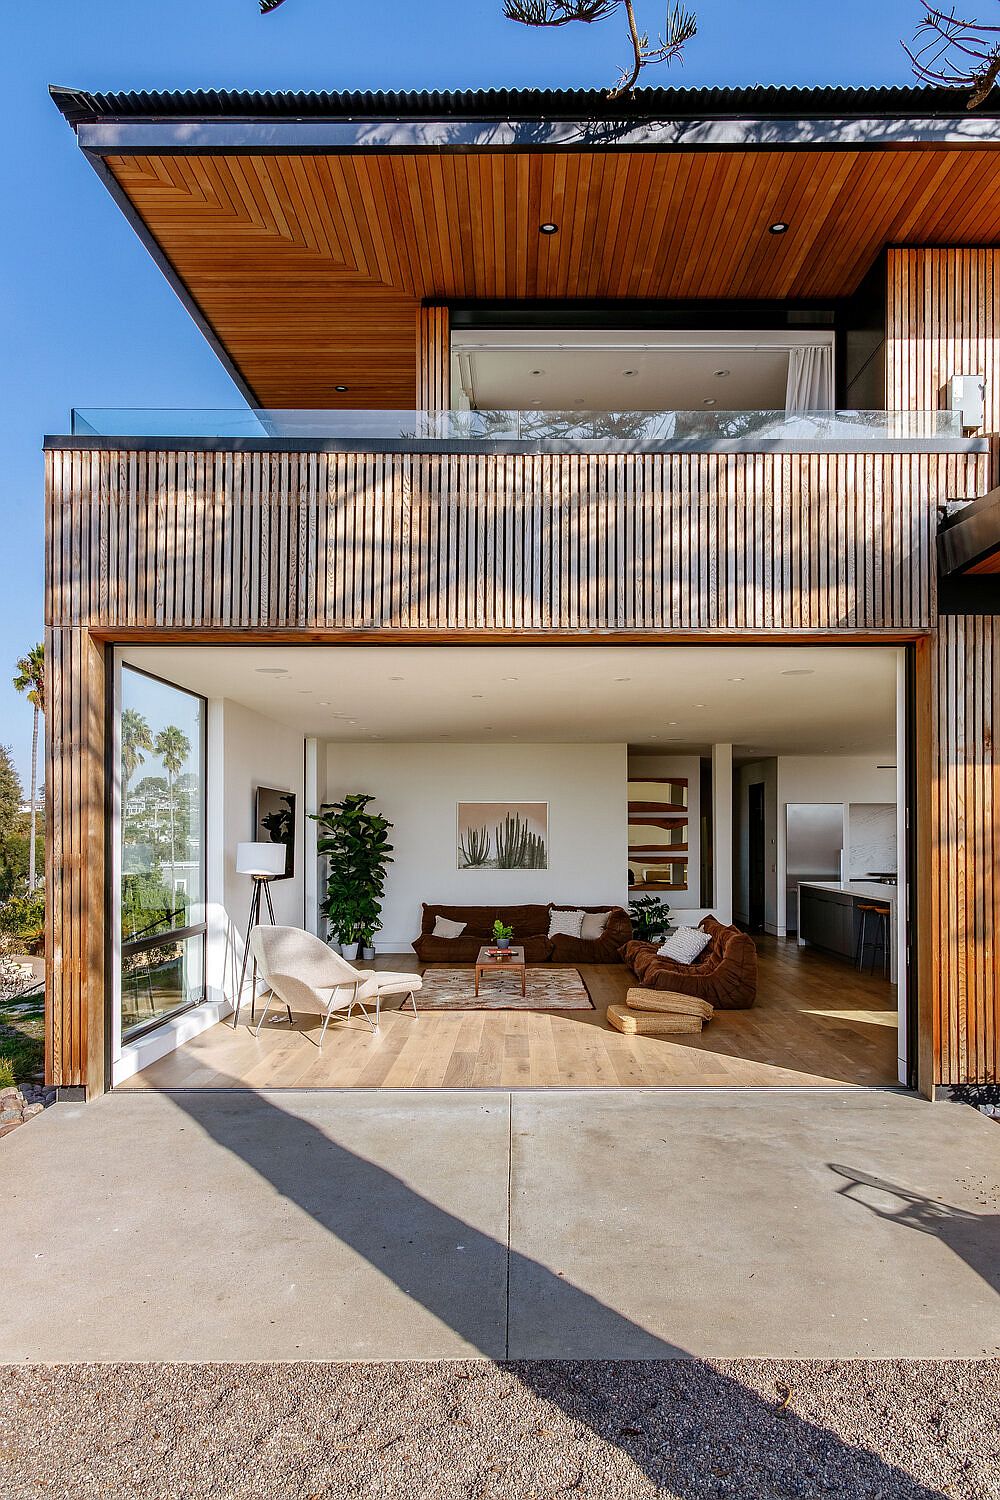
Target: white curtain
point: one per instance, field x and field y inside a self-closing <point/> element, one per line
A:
<point x="810" y="378"/>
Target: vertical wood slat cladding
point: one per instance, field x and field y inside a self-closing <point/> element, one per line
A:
<point x="175" y="540"/>
<point x="433" y="359"/>
<point x="74" y="878"/>
<point x="966" y="815"/>
<point x="944" y="319"/>
<point x="187" y="541"/>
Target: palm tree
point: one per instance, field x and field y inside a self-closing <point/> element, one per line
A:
<point x="136" y="737"/>
<point x="173" y="747"/>
<point x="30" y="679"/>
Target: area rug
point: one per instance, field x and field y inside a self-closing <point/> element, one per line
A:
<point x="547" y="989"/>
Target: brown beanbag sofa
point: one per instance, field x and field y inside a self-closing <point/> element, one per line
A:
<point x="724" y="973"/>
<point x="531" y="927"/>
<point x="607" y="949"/>
<point x="530" y="924"/>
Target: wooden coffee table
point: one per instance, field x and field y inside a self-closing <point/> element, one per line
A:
<point x="486" y="964"/>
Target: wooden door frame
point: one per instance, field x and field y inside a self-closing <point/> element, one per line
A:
<point x="93" y="1073"/>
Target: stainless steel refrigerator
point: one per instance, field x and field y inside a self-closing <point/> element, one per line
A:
<point x="814" y="846"/>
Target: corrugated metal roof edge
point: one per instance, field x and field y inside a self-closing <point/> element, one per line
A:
<point x="79" y="106"/>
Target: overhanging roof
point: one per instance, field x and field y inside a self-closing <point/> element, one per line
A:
<point x="80" y="107"/>
<point x="304" y="230"/>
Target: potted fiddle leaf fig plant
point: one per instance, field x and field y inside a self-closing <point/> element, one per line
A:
<point x="355" y="842"/>
<point x="502" y="934"/>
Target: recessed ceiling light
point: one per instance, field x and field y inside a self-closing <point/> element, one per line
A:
<point x="397" y="679"/>
<point x="697" y="705"/>
<point x="272" y="671"/>
<point x="630" y="372"/>
<point x="510" y="679"/>
<point x="709" y="401"/>
<point x="548" y="228"/>
<point x="538" y="372"/>
<point x="623" y="679"/>
<point x="672" y="723"/>
<point x="799" y="672"/>
<point x="737" y="679"/>
<point x="324" y="703"/>
<point x="721" y="374"/>
<point x="778" y="227"/>
<point x="340" y="387"/>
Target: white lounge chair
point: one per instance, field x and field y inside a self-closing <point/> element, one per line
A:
<point x="307" y="976"/>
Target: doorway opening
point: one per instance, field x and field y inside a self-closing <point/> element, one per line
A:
<point x="610" y="804"/>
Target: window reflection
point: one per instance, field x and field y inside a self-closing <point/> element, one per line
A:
<point x="161" y="737"/>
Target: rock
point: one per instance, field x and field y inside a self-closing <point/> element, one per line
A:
<point x="7" y="1115"/>
<point x="11" y="1125"/>
<point x="31" y="1110"/>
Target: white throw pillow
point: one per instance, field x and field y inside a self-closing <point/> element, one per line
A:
<point x="565" y="923"/>
<point x="444" y="928"/>
<point x="594" y="923"/>
<point x="684" y="945"/>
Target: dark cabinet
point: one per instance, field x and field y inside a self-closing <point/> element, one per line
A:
<point x="826" y="918"/>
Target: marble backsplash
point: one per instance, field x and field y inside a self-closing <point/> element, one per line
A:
<point x="871" y="831"/>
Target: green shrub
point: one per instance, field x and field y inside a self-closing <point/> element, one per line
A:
<point x="6" y="1073"/>
<point x="24" y="917"/>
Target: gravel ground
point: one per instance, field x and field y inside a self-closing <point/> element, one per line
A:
<point x="518" y="1431"/>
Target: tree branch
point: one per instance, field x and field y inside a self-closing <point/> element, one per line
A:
<point x="681" y="26"/>
<point x="957" y="53"/>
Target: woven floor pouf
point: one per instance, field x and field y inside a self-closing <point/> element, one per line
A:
<point x="646" y="1023"/>
<point x="669" y="1001"/>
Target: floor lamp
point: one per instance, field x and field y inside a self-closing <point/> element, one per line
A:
<point x="262" y="862"/>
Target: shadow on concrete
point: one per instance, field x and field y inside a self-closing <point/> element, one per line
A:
<point x="974" y="1238"/>
<point x="688" y="1426"/>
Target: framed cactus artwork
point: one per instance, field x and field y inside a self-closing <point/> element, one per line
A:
<point x="503" y="835"/>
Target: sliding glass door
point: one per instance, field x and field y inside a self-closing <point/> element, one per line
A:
<point x="161" y="767"/>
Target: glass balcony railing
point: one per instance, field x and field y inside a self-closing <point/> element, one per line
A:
<point x="614" y="430"/>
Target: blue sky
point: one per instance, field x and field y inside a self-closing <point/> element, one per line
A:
<point x="87" y="320"/>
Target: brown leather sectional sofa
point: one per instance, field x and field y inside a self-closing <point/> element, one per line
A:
<point x="531" y="927"/>
<point x="724" y="973"/>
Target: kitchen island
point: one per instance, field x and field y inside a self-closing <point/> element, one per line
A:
<point x="830" y="916"/>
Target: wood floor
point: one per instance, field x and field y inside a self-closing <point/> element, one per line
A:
<point x="816" y="1022"/>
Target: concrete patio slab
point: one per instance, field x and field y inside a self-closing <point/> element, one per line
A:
<point x="206" y="1225"/>
<point x="227" y="1226"/>
<point x="823" y="1225"/>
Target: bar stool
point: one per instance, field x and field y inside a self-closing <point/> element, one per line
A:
<point x="878" y="916"/>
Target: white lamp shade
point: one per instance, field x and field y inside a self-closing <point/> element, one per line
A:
<point x="260" y="859"/>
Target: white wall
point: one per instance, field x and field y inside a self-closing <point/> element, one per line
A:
<point x="418" y="788"/>
<point x="688" y="766"/>
<point x="246" y="750"/>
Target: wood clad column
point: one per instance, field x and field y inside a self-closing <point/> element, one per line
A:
<point x="965" y="820"/>
<point x="433" y="359"/>
<point x="74" y="877"/>
<point x="943" y="319"/>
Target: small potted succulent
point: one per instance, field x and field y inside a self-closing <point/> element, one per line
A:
<point x="502" y="934"/>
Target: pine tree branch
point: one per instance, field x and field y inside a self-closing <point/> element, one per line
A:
<point x="955" y="52"/>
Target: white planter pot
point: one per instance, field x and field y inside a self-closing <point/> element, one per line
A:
<point x="349" y="950"/>
<point x="334" y="946"/>
<point x="368" y="954"/>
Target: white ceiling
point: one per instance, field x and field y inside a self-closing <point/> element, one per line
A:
<point x="511" y="370"/>
<point x="841" y="700"/>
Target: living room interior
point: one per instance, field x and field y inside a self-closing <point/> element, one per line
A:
<point x="598" y="802"/>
